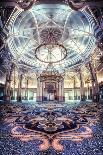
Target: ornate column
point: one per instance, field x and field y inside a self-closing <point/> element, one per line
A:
<point x="7" y="95"/>
<point x="37" y="94"/>
<point x="19" y="91"/>
<point x="57" y="89"/>
<point x="88" y="89"/>
<point x="43" y="85"/>
<point x="39" y="89"/>
<point x="95" y="87"/>
<point x="60" y="92"/>
<point x="74" y="88"/>
<point x="7" y="90"/>
<point x="14" y="82"/>
<point x="63" y="98"/>
<point x="82" y="90"/>
<point x="61" y="89"/>
<point x="26" y="88"/>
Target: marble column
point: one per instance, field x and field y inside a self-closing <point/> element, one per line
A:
<point x="7" y="89"/>
<point x="60" y="91"/>
<point x="63" y="98"/>
<point x="88" y="91"/>
<point x="82" y="90"/>
<point x="19" y="91"/>
<point x="26" y="88"/>
<point x="95" y="86"/>
<point x="57" y="89"/>
<point x="7" y="95"/>
<point x="37" y="93"/>
<point x="43" y="85"/>
<point x="14" y="82"/>
<point x="39" y="90"/>
<point x="74" y="89"/>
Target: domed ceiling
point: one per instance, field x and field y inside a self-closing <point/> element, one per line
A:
<point x="50" y="34"/>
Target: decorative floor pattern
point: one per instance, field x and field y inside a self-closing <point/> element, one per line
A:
<point x="49" y="131"/>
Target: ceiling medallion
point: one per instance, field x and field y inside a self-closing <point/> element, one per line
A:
<point x="51" y="35"/>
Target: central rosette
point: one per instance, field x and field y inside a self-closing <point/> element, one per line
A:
<point x="51" y="35"/>
<point x="51" y="50"/>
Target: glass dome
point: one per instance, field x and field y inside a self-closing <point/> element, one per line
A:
<point x="33" y="32"/>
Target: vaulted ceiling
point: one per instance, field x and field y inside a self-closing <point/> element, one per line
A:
<point x="57" y="35"/>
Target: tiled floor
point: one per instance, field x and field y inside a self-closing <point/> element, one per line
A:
<point x="63" y="130"/>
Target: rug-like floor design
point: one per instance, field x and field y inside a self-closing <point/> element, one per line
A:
<point x="25" y="130"/>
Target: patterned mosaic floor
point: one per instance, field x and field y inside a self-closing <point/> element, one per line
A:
<point x="27" y="130"/>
